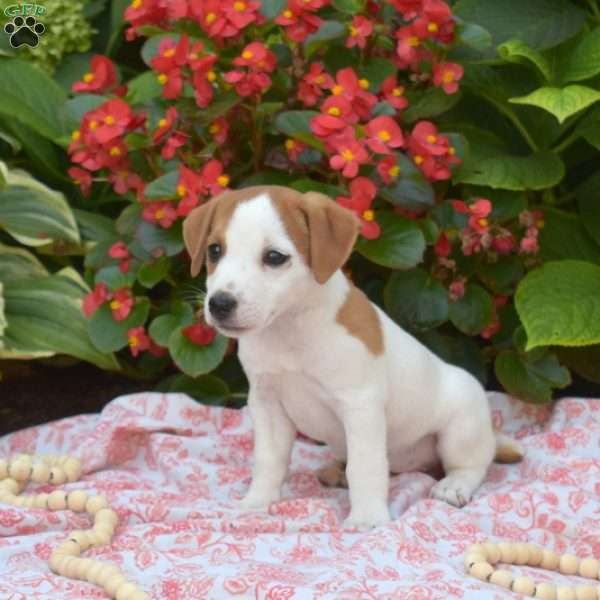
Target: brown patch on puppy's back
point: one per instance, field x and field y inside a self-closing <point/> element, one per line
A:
<point x="359" y="317"/>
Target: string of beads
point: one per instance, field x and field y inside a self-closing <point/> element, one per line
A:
<point x="481" y="558"/>
<point x="66" y="558"/>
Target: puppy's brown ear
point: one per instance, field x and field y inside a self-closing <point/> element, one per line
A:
<point x="196" y="229"/>
<point x="332" y="232"/>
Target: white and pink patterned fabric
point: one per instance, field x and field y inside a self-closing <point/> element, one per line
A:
<point x="173" y="469"/>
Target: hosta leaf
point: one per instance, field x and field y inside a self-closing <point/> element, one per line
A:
<point x="583" y="61"/>
<point x="518" y="51"/>
<point x="18" y="263"/>
<point x="560" y="102"/>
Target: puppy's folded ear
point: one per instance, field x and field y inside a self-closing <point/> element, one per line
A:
<point x="196" y="229"/>
<point x="332" y="232"/>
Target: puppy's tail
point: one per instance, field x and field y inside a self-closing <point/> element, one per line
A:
<point x="508" y="451"/>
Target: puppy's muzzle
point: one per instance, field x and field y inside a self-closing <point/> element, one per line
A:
<point x="221" y="305"/>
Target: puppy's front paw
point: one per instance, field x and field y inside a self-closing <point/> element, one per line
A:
<point x="452" y="490"/>
<point x="257" y="502"/>
<point x="365" y="519"/>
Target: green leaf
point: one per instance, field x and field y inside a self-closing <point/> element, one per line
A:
<point x="196" y="360"/>
<point x="3" y="323"/>
<point x="416" y="300"/>
<point x="518" y="51"/>
<point x="272" y="8"/>
<point x="327" y="32"/>
<point x="72" y="68"/>
<point x="309" y="185"/>
<point x="44" y="316"/>
<point x="559" y="304"/>
<point x="535" y="172"/>
<point x="350" y="7"/>
<point x="75" y="108"/>
<point x="159" y="241"/>
<point x="562" y="103"/>
<point x="109" y="335"/>
<point x="114" y="278"/>
<point x="471" y="313"/>
<point x="583" y="61"/>
<point x="207" y="389"/>
<point x="143" y="88"/>
<point x="151" y="273"/>
<point x="180" y="315"/>
<point x="220" y="106"/>
<point x="539" y="23"/>
<point x="564" y="236"/>
<point x="18" y="263"/>
<point x="529" y="380"/>
<point x="31" y="96"/>
<point x="503" y="276"/>
<point x="117" y="15"/>
<point x="589" y="127"/>
<point x="400" y="246"/>
<point x="410" y="189"/>
<point x="588" y="200"/>
<point x="584" y="360"/>
<point x="430" y="103"/>
<point x="94" y="226"/>
<point x="163" y="187"/>
<point x="474" y="36"/>
<point x="296" y="124"/>
<point x="376" y="71"/>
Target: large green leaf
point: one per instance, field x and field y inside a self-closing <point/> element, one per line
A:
<point x="33" y="213"/>
<point x="411" y="189"/>
<point x="163" y="187"/>
<point x="18" y="263"/>
<point x="416" y="300"/>
<point x="589" y="127"/>
<point x="560" y="102"/>
<point x="400" y="246"/>
<point x="351" y="7"/>
<point x="180" y="315"/>
<point x="588" y="200"/>
<point x="159" y="241"/>
<point x="518" y="51"/>
<point x="583" y="61"/>
<point x="143" y="87"/>
<point x="430" y="103"/>
<point x="535" y="172"/>
<point x="44" y="316"/>
<point x="376" y="71"/>
<point x="559" y="304"/>
<point x="471" y="313"/>
<point x="195" y="360"/>
<point x="327" y="32"/>
<point x="207" y="389"/>
<point x="539" y="23"/>
<point x="296" y="124"/>
<point x="31" y="96"/>
<point x="94" y="226"/>
<point x="584" y="360"/>
<point x="272" y="8"/>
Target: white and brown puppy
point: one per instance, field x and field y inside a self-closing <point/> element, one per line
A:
<point x="322" y="359"/>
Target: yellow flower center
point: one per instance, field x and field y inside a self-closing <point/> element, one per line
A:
<point x="115" y="305"/>
<point x="452" y="151"/>
<point x="364" y="84"/>
<point x="76" y="135"/>
<point x="347" y="154"/>
<point x="384" y="135"/>
<point x="134" y="341"/>
<point x="319" y="79"/>
<point x="169" y="53"/>
<point x="159" y="214"/>
<point x="397" y="91"/>
<point x="394" y="171"/>
<point x="334" y="111"/>
<point x="290" y="144"/>
<point x="418" y="159"/>
<point x="88" y="77"/>
<point x="239" y="6"/>
<point x="181" y="190"/>
<point x="288" y="14"/>
<point x="413" y="41"/>
<point x="540" y="224"/>
<point x="336" y="90"/>
<point x="211" y="76"/>
<point x="483" y="222"/>
<point x="115" y="151"/>
<point x="431" y="139"/>
<point x="192" y="56"/>
<point x="93" y="125"/>
<point x="162" y="79"/>
<point x="136" y="3"/>
<point x="247" y="54"/>
<point x="448" y="76"/>
<point x="210" y="17"/>
<point x="368" y="215"/>
<point x="109" y="120"/>
<point x="163" y="123"/>
<point x="433" y="28"/>
<point x="214" y="128"/>
<point x="353" y="31"/>
<point x="223" y="180"/>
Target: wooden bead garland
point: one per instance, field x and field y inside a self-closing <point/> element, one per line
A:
<point x="65" y="560"/>
<point x="481" y="558"/>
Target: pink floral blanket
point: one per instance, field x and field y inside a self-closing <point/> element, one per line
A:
<point x="173" y="470"/>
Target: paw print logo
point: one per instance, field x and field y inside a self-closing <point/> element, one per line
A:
<point x="24" y="31"/>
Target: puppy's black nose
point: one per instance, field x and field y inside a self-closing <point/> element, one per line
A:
<point x="221" y="305"/>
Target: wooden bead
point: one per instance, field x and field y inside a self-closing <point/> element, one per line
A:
<point x="568" y="564"/>
<point x="3" y="468"/>
<point x="113" y="583"/>
<point x="41" y="501"/>
<point x="474" y="558"/>
<point x="81" y="538"/>
<point x="106" y="573"/>
<point x="508" y="553"/>
<point x="77" y="500"/>
<point x="69" y="547"/>
<point x="502" y="578"/>
<point x="29" y="501"/>
<point x="550" y="560"/>
<point x="101" y="537"/>
<point x="481" y="570"/>
<point x="18" y="501"/>
<point x="139" y="595"/>
<point x="40" y="473"/>
<point x="49" y="459"/>
<point x="9" y="485"/>
<point x="96" y="503"/>
<point x="92" y="574"/>
<point x="72" y="567"/>
<point x="589" y="567"/>
<point x="20" y="469"/>
<point x="545" y="591"/>
<point x="104" y="528"/>
<point x="53" y="561"/>
<point x="57" y="476"/>
<point x="523" y="585"/>
<point x="565" y="593"/>
<point x="125" y="591"/>
<point x="83" y="566"/>
<point x="522" y="552"/>
<point x="492" y="553"/>
<point x="107" y="515"/>
<point x="585" y="592"/>
<point x="57" y="500"/>
<point x="535" y="555"/>
<point x="72" y="468"/>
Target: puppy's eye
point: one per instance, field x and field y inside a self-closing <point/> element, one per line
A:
<point x="214" y="252"/>
<point x="272" y="258"/>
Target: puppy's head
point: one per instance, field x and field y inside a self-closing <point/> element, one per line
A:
<point x="264" y="247"/>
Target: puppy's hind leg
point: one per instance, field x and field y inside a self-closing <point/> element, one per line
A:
<point x="466" y="447"/>
<point x="333" y="474"/>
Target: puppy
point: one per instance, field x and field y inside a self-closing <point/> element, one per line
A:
<point x="323" y="360"/>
